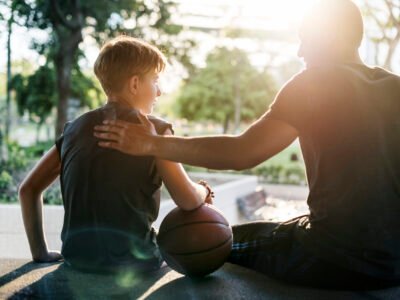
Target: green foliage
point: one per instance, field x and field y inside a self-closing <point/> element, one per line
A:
<point x="280" y="169"/>
<point x="38" y="149"/>
<point x="211" y="93"/>
<point x="7" y="187"/>
<point x="17" y="158"/>
<point x="5" y="180"/>
<point x="10" y="172"/>
<point x="281" y="174"/>
<point x="65" y="21"/>
<point x="16" y="168"/>
<point x="36" y="94"/>
<point x="40" y="90"/>
<point x="86" y="89"/>
<point x="52" y="195"/>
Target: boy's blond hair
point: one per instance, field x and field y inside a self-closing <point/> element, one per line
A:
<point x="124" y="57"/>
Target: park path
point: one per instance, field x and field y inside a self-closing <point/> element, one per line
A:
<point x="283" y="202"/>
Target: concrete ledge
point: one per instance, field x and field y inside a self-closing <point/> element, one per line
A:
<point x="22" y="279"/>
<point x="14" y="244"/>
<point x="225" y="195"/>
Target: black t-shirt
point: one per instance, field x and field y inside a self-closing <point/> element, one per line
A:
<point x="110" y="198"/>
<point x="348" y="119"/>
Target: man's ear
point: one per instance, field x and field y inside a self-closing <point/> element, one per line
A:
<point x="134" y="84"/>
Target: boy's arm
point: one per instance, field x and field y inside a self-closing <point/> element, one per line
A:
<point x="187" y="194"/>
<point x="30" y="196"/>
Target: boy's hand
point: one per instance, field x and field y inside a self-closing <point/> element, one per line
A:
<point x="134" y="139"/>
<point x="49" y="256"/>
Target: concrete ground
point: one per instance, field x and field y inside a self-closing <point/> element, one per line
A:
<point x="20" y="278"/>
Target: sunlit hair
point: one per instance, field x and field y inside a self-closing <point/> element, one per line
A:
<point x="335" y="20"/>
<point x="124" y="57"/>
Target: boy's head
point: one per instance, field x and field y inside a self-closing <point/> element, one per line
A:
<point x="128" y="69"/>
<point x="331" y="30"/>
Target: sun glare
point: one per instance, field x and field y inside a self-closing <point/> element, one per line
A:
<point x="282" y="13"/>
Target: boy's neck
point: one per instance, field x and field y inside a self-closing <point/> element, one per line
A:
<point x="120" y="101"/>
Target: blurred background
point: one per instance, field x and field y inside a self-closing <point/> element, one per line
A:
<point x="227" y="60"/>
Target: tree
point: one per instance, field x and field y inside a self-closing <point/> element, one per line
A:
<point x="229" y="85"/>
<point x="36" y="93"/>
<point x="68" y="19"/>
<point x="4" y="136"/>
<point x="385" y="14"/>
<point x="8" y="95"/>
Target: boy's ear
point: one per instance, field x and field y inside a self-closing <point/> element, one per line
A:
<point x="134" y="84"/>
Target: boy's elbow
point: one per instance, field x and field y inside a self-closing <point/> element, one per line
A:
<point x="25" y="191"/>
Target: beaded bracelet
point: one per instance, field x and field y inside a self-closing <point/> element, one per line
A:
<point x="210" y="192"/>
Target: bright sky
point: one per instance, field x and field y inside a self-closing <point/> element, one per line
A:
<point x="270" y="15"/>
<point x="264" y="14"/>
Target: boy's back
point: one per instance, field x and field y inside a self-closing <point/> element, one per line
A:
<point x="110" y="198"/>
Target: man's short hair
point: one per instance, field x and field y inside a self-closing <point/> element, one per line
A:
<point x="124" y="57"/>
<point x="340" y="20"/>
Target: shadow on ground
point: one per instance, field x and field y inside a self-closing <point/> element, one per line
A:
<point x="20" y="279"/>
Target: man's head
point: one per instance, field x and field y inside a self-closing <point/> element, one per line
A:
<point x="331" y="31"/>
<point x="128" y="69"/>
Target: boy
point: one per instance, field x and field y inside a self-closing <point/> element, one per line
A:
<point x="110" y="198"/>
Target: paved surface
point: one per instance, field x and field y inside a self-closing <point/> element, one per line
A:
<point x="21" y="279"/>
<point x="283" y="202"/>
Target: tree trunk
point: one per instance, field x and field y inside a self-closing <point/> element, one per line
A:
<point x="64" y="60"/>
<point x="8" y="96"/>
<point x="238" y="108"/>
<point x="38" y="127"/>
<point x="226" y="124"/>
<point x="2" y="154"/>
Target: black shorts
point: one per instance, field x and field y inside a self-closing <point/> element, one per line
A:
<point x="272" y="249"/>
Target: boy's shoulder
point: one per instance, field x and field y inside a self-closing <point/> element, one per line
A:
<point x="88" y="118"/>
<point x="160" y="124"/>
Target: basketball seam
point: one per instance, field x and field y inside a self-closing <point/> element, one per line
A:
<point x="198" y="252"/>
<point x="160" y="234"/>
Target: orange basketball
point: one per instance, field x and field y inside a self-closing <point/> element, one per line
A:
<point x="197" y="242"/>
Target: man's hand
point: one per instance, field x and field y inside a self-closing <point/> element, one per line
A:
<point x="133" y="139"/>
<point x="49" y="256"/>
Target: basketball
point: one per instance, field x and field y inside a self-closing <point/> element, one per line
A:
<point x="197" y="242"/>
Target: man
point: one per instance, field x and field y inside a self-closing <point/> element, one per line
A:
<point x="346" y="117"/>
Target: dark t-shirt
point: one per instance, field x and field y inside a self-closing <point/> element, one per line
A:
<point x="348" y="119"/>
<point x="110" y="198"/>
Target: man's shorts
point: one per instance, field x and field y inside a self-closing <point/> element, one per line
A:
<point x="272" y="249"/>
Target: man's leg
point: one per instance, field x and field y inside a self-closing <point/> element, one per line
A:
<point x="270" y="248"/>
<point x="255" y="246"/>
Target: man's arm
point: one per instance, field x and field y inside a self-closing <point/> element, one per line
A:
<point x="265" y="138"/>
<point x="30" y="195"/>
<point x="262" y="140"/>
